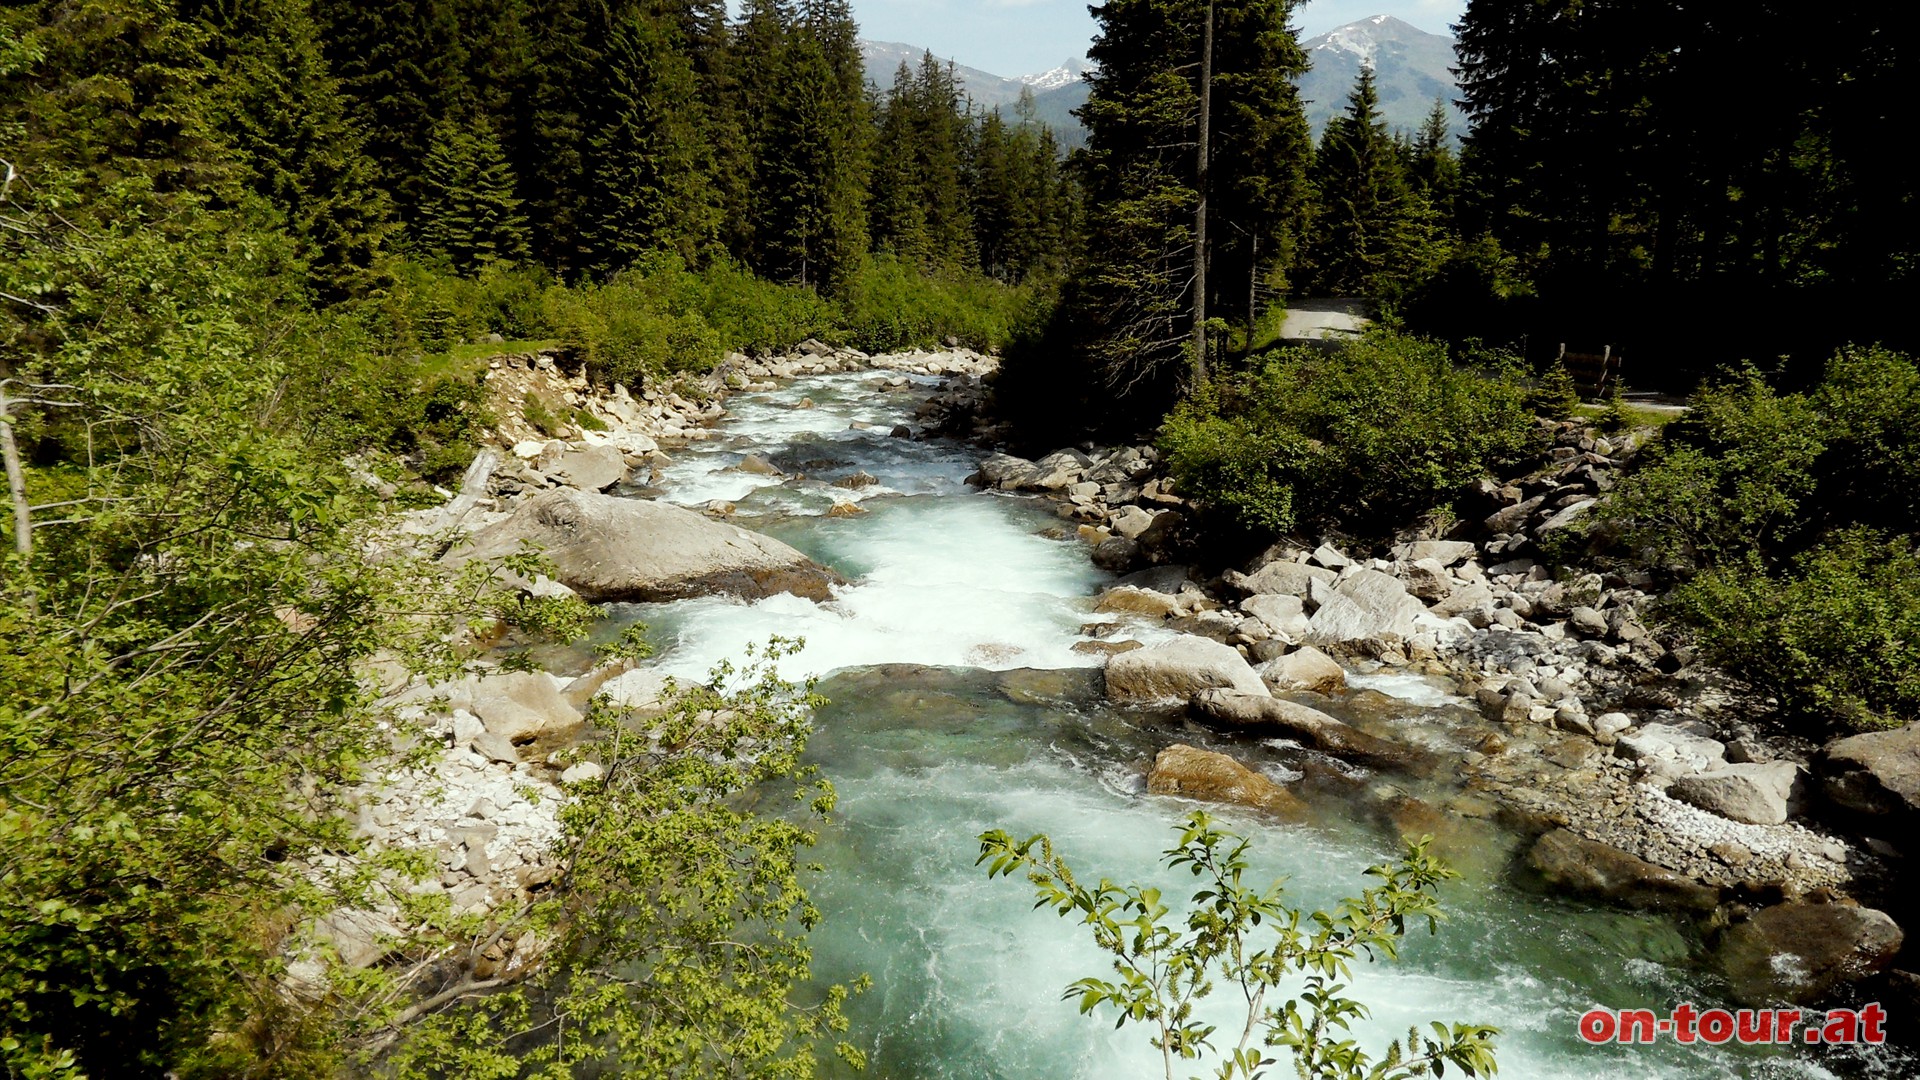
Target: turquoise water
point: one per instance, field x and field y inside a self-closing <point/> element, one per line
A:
<point x="939" y="728"/>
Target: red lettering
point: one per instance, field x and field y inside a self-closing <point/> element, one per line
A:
<point x="1784" y="1021"/>
<point x="1871" y="1017"/>
<point x="1683" y="1017"/>
<point x="1716" y="1026"/>
<point x="1597" y="1026"/>
<point x="1842" y="1027"/>
<point x="1638" y="1026"/>
<point x="1755" y="1024"/>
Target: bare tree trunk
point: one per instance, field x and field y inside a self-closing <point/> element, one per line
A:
<point x="1200" y="209"/>
<point x="16" y="481"/>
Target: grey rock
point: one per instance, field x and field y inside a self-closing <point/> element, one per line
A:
<point x="1306" y="668"/>
<point x="1258" y="712"/>
<point x="1511" y="518"/>
<point x="1202" y="774"/>
<point x="592" y="468"/>
<point x="1587" y="622"/>
<point x="1564" y="517"/>
<point x="611" y="549"/>
<point x="1367" y="604"/>
<point x="1330" y="557"/>
<point x="1476" y="597"/>
<point x="1754" y="793"/>
<point x="1444" y="552"/>
<point x="1131" y="521"/>
<point x="1427" y="579"/>
<point x="1178" y="669"/>
<point x="1284" y="615"/>
<point x="1285" y="578"/>
<point x="1669" y="751"/>
<point x="1876" y="774"/>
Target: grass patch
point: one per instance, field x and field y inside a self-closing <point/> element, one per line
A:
<point x="463" y="360"/>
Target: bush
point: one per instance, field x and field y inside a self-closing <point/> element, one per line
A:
<point x="889" y="305"/>
<point x="1372" y="435"/>
<point x="1837" y="638"/>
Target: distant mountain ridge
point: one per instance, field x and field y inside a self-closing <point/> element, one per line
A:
<point x="1056" y="92"/>
<point x="1411" y="69"/>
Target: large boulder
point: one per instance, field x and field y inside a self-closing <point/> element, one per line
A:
<point x="1132" y="600"/>
<point x="1876" y="774"/>
<point x="1285" y="615"/>
<point x="592" y="468"/>
<point x="1571" y="861"/>
<point x="1284" y="578"/>
<point x="1796" y="953"/>
<point x="520" y="706"/>
<point x="1271" y="715"/>
<point x="610" y="549"/>
<point x="1427" y="579"/>
<point x="1202" y="774"/>
<point x="1367" y="604"/>
<point x="1445" y="552"/>
<point x="1305" y="668"/>
<point x="1669" y="751"/>
<point x="1754" y="793"/>
<point x="1474" y="597"/>
<point x="1176" y="670"/>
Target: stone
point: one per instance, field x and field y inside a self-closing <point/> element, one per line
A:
<point x="1367" y="604"/>
<point x="1587" y="622"/>
<point x="642" y="691"/>
<point x="858" y="480"/>
<point x="466" y="727"/>
<point x="758" y="466"/>
<point x="1511" y="518"/>
<point x="1427" y="579"/>
<point x="1608" y="726"/>
<point x="1176" y="670"/>
<point x="582" y="772"/>
<point x="1571" y="861"/>
<point x="1202" y="774"/>
<point x="1285" y="616"/>
<point x="521" y="706"/>
<point x="592" y="468"/>
<point x="1669" y="751"/>
<point x="1131" y="521"/>
<point x="1117" y="554"/>
<point x="360" y="938"/>
<point x="1306" y="668"/>
<point x="1105" y="648"/>
<point x="1564" y="517"/>
<point x="1330" y="557"/>
<point x="1753" y="793"/>
<point x="1876" y="774"/>
<point x="611" y="549"/>
<point x="1444" y="552"/>
<point x="1797" y="953"/>
<point x="1283" y="578"/>
<point x="495" y="747"/>
<point x="1261" y="713"/>
<point x="1133" y="600"/>
<point x="1469" y="598"/>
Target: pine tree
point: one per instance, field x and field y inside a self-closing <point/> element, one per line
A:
<point x="1367" y="223"/>
<point x="648" y="165"/>
<point x="1131" y="294"/>
<point x="811" y="176"/>
<point x="468" y="212"/>
<point x="899" y="208"/>
<point x="280" y="109"/>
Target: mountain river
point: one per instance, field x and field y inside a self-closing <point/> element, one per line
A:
<point x="959" y="705"/>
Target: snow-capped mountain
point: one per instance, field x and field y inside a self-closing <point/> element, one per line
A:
<point x="1411" y="68"/>
<point x="1066" y="74"/>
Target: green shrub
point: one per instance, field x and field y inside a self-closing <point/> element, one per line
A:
<point x="1372" y="435"/>
<point x="889" y="305"/>
<point x="541" y="416"/>
<point x="1835" y="638"/>
<point x="1554" y="392"/>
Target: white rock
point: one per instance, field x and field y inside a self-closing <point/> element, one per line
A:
<point x="1174" y="670"/>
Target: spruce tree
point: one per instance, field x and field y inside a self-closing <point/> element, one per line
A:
<point x="468" y="211"/>
<point x="811" y="177"/>
<point x="1366" y="221"/>
<point x="280" y="109"/>
<point x="648" y="165"/>
<point x="899" y="208"/>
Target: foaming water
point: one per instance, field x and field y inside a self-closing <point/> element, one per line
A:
<point x="933" y="736"/>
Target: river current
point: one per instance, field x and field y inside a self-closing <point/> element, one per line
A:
<point x="957" y="704"/>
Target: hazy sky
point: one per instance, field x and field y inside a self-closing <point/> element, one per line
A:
<point x="1016" y="37"/>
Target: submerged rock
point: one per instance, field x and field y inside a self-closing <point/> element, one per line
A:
<point x="1202" y="774"/>
<point x="612" y="549"/>
<point x="1569" y="860"/>
<point x="1258" y="712"/>
<point x="1797" y="953"/>
<point x="1306" y="668"/>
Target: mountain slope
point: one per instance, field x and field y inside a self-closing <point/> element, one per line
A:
<point x="1411" y="68"/>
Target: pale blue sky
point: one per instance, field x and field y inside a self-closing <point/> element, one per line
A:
<point x="1016" y="37"/>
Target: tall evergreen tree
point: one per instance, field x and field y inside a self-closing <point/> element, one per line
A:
<point x="811" y="177"/>
<point x="1365" y="213"/>
<point x="280" y="109"/>
<point x="468" y="211"/>
<point x="648" y="165"/>
<point x="898" y="205"/>
<point x="1131" y="292"/>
